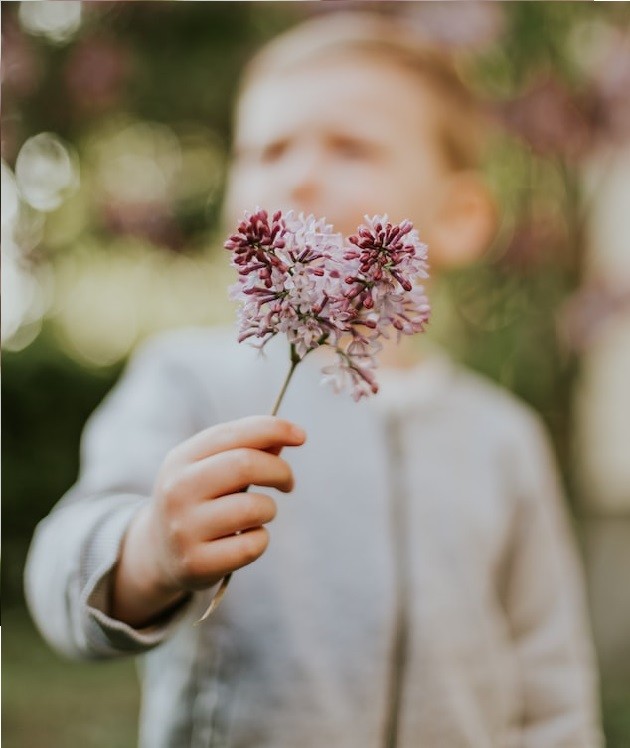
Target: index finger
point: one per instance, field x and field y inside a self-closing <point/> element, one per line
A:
<point x="253" y="432"/>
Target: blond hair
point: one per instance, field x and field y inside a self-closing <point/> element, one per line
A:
<point x="458" y="113"/>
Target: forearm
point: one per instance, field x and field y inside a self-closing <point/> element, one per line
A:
<point x="558" y="667"/>
<point x="547" y="610"/>
<point x="561" y="700"/>
<point x="68" y="580"/>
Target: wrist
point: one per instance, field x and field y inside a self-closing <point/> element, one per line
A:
<point x="140" y="592"/>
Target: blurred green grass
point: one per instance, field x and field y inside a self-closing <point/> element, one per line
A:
<point x="57" y="703"/>
<point x="616" y="706"/>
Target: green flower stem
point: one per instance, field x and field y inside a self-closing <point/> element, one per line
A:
<point x="294" y="362"/>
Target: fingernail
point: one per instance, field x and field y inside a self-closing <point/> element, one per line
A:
<point x="298" y="433"/>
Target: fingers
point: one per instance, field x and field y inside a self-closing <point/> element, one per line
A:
<point x="208" y="562"/>
<point x="230" y="472"/>
<point x="253" y="432"/>
<point x="196" y="538"/>
<point x="231" y="514"/>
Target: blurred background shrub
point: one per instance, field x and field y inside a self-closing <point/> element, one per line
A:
<point x="115" y="138"/>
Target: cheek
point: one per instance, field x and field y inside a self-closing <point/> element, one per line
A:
<point x="363" y="190"/>
<point x="412" y="194"/>
<point x="247" y="189"/>
<point x="345" y="204"/>
<point x="385" y="195"/>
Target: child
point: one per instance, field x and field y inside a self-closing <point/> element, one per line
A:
<point x="421" y="587"/>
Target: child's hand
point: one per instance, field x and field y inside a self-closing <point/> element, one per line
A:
<point x="201" y="524"/>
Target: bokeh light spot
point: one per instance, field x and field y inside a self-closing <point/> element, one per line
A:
<point x="58" y="21"/>
<point x="46" y="171"/>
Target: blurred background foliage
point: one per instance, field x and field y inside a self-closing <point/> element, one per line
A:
<point x="115" y="140"/>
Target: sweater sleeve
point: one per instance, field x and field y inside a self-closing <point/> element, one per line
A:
<point x="546" y="607"/>
<point x="76" y="547"/>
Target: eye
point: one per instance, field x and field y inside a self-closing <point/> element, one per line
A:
<point x="273" y="151"/>
<point x="352" y="149"/>
<point x="253" y="155"/>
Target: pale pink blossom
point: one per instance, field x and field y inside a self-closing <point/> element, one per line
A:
<point x="298" y="277"/>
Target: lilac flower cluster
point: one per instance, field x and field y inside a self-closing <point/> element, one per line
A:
<point x="299" y="277"/>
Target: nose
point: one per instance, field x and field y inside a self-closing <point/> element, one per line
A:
<point x="304" y="177"/>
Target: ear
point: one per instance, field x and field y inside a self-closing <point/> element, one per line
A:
<point x="466" y="221"/>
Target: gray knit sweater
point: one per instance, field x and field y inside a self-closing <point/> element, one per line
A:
<point x="421" y="586"/>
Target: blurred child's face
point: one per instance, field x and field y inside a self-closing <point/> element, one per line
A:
<point x="349" y="137"/>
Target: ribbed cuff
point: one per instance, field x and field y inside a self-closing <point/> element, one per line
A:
<point x="106" y="636"/>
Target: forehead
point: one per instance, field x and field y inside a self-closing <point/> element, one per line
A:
<point x="358" y="95"/>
